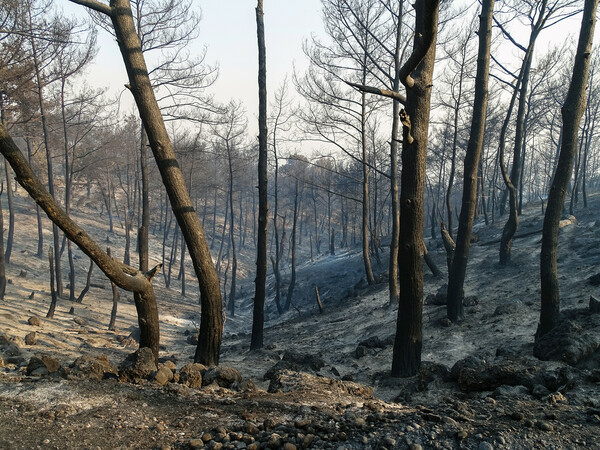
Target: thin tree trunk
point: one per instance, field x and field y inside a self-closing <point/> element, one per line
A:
<point x="53" y="292"/>
<point x="292" y="285"/>
<point x="458" y="269"/>
<point x="258" y="317"/>
<point x="88" y="282"/>
<point x="115" y="299"/>
<point x="11" y="217"/>
<point x="572" y="111"/>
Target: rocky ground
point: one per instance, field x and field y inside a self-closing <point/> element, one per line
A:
<point x="322" y="381"/>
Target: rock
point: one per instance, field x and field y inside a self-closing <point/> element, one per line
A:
<point x="138" y="365"/>
<point x="195" y="443"/>
<point x="287" y="380"/>
<point x="192" y="339"/>
<point x="224" y="376"/>
<point x="81" y="321"/>
<point x="470" y="300"/>
<point x="308" y="440"/>
<point x="296" y="361"/>
<point x="372" y="342"/>
<point x="190" y="375"/>
<point x="439" y="298"/>
<point x="360" y="351"/>
<point x="289" y="446"/>
<point x="594" y="305"/>
<point x="594" y="280"/>
<point x="47" y="363"/>
<point x="544" y="426"/>
<point x="87" y="367"/>
<point x="485" y="446"/>
<point x="4" y="340"/>
<point x="22" y="273"/>
<point x="518" y="391"/>
<point x="31" y="338"/>
<point x="488" y="377"/>
<point x="18" y="341"/>
<point x="502" y="310"/>
<point x="163" y="376"/>
<point x="12" y="350"/>
<point x="568" y="341"/>
<point x="470" y="362"/>
<point x="566" y="221"/>
<point x="34" y="321"/>
<point x="539" y="391"/>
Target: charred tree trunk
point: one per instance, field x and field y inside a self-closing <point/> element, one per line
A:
<point x="458" y="270"/>
<point x="53" y="293"/>
<point x="88" y="282"/>
<point x="417" y="76"/>
<point x="11" y="218"/>
<point x="115" y="300"/>
<point x="572" y="111"/>
<point x="258" y="316"/>
<point x="125" y="277"/>
<point x="290" y="292"/>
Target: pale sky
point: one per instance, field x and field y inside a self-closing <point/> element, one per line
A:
<point x="228" y="30"/>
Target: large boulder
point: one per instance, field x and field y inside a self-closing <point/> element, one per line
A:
<point x="298" y="362"/>
<point x="163" y="376"/>
<point x="42" y="365"/>
<point x="223" y="376"/>
<point x="190" y="375"/>
<point x="474" y="374"/>
<point x="287" y="380"/>
<point x="87" y="367"/>
<point x="138" y="366"/>
<point x="573" y="340"/>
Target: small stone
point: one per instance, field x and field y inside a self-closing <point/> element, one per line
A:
<point x="250" y="428"/>
<point x="31" y="338"/>
<point x="81" y="321"/>
<point x="462" y="434"/>
<point x="308" y="440"/>
<point x="274" y="441"/>
<point x="545" y="426"/>
<point x="269" y="423"/>
<point x="253" y="446"/>
<point x="415" y="447"/>
<point x="389" y="441"/>
<point x="196" y="443"/>
<point x="485" y="446"/>
<point x="289" y="446"/>
<point x="34" y="321"/>
<point x="360" y="422"/>
<point x="206" y="437"/>
<point x="517" y="415"/>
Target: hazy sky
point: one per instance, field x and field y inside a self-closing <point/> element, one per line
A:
<point x="228" y="30"/>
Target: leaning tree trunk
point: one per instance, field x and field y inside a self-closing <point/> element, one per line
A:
<point x="417" y="77"/>
<point x="456" y="281"/>
<point x="125" y="277"/>
<point x="258" y="317"/>
<point x="211" y="322"/>
<point x="572" y="111"/>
